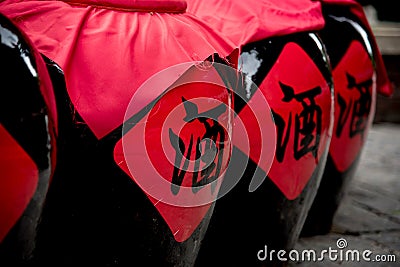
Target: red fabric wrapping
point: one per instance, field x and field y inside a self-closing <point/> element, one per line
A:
<point x="106" y="54"/>
<point x="168" y="6"/>
<point x="253" y="20"/>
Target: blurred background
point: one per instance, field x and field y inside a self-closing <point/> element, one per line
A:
<point x="384" y="19"/>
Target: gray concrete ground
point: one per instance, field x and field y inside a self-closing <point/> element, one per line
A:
<point x="369" y="216"/>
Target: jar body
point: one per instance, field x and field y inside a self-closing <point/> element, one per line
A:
<point x="354" y="77"/>
<point x="293" y="75"/>
<point x="28" y="143"/>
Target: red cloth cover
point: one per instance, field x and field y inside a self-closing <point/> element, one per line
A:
<point x="106" y="53"/>
<point x="252" y="20"/>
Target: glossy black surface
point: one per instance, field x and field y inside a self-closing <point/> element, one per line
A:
<point x="24" y="115"/>
<point x="244" y="222"/>
<point x="334" y="183"/>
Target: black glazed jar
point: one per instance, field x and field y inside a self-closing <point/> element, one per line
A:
<point x="28" y="131"/>
<point x="293" y="74"/>
<point x="354" y="78"/>
<point x="98" y="210"/>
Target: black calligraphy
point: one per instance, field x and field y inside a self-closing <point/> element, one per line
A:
<point x="357" y="110"/>
<point x="209" y="148"/>
<point x="307" y="123"/>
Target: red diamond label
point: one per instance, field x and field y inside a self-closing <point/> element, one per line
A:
<point x="18" y="181"/>
<point x="301" y="102"/>
<point x="354" y="105"/>
<point x="178" y="152"/>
